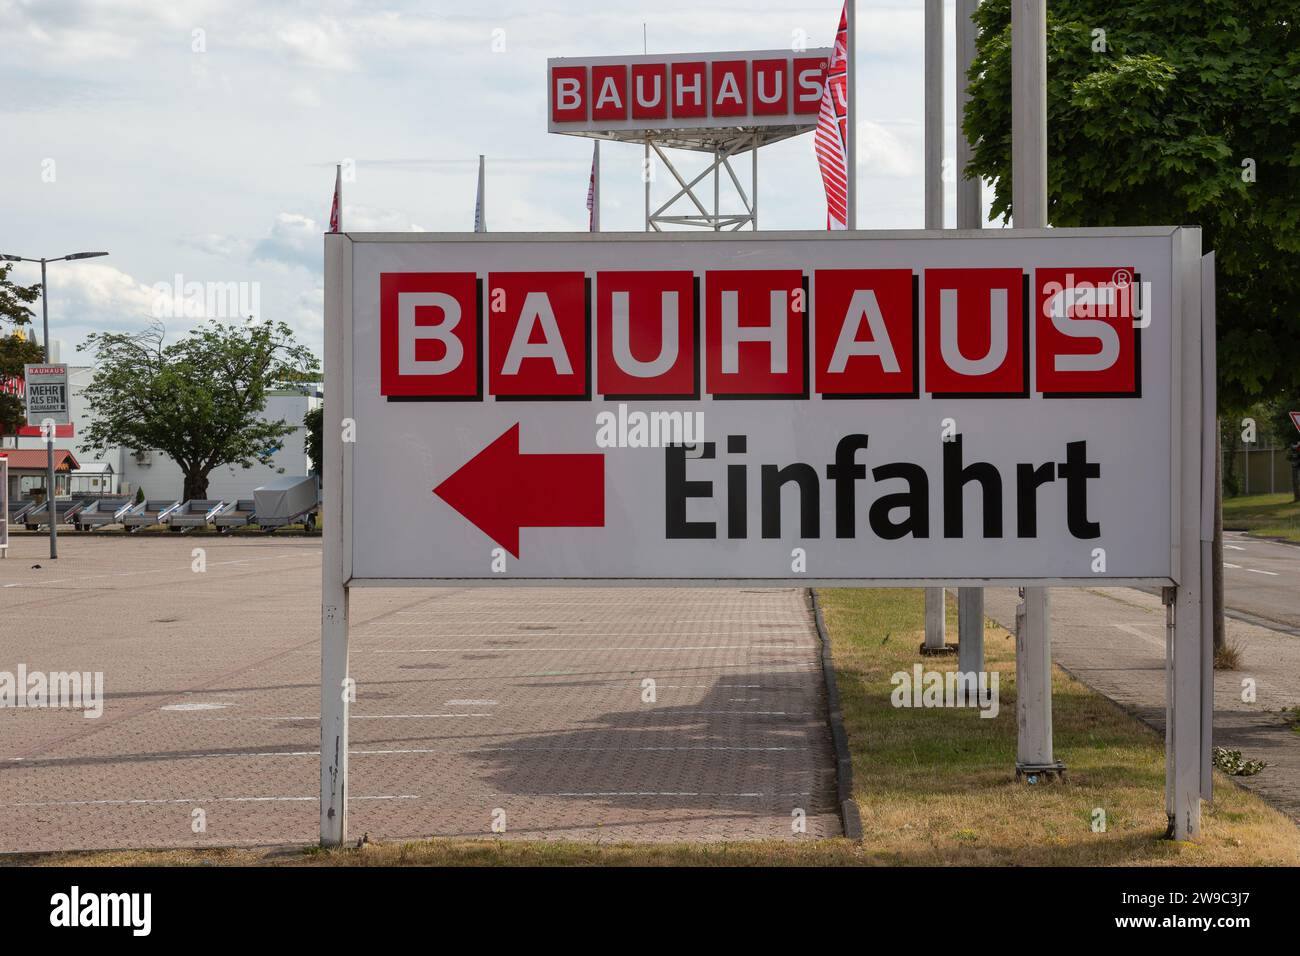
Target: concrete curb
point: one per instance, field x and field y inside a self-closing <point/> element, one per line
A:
<point x="850" y="816"/>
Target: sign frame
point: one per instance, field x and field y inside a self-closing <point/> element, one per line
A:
<point x="339" y="322"/>
<point x="1191" y="447"/>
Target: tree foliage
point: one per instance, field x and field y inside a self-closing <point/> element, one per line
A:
<point x="17" y="347"/>
<point x="313" y="442"/>
<point x="1163" y="120"/>
<point x="196" y="400"/>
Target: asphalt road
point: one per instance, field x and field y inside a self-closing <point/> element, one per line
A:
<point x="1261" y="582"/>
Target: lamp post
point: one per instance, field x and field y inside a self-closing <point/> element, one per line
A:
<point x="50" y="500"/>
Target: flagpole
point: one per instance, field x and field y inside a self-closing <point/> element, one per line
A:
<point x="480" y="206"/>
<point x="851" y="160"/>
<point x="595" y="190"/>
<point x="934" y="199"/>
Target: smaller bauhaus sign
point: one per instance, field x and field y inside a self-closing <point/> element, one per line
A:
<point x="686" y="91"/>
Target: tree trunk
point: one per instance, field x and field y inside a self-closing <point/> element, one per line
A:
<point x="196" y="486"/>
<point x="1216" y="549"/>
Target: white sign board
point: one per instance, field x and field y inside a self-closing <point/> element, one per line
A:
<point x="900" y="407"/>
<point x="47" y="394"/>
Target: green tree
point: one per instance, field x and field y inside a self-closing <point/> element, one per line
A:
<point x="1178" y="113"/>
<point x="1284" y="429"/>
<point x="313" y="442"/>
<point x="197" y="400"/>
<point x="16" y="345"/>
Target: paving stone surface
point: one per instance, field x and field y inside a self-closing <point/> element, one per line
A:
<point x="473" y="705"/>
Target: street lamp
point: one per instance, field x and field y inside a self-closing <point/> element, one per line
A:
<point x="50" y="501"/>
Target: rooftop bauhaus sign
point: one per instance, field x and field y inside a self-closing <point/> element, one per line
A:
<point x="797" y="406"/>
<point x="686" y="91"/>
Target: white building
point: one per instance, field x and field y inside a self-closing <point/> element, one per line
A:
<point x="123" y="470"/>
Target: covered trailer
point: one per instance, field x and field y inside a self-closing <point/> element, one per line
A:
<point x="102" y="512"/>
<point x="149" y="512"/>
<point x="195" y="513"/>
<point x="286" y="500"/>
<point x="237" y="514"/>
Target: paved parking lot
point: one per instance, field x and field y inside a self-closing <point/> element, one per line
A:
<point x="524" y="704"/>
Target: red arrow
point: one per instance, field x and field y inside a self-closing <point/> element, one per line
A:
<point x="500" y="491"/>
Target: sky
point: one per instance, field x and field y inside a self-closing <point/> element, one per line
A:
<point x="197" y="138"/>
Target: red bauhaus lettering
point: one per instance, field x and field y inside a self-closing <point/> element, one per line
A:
<point x="755" y="336"/>
<point x="730" y="88"/>
<point x="749" y="336"/>
<point x="649" y="91"/>
<point x="771" y="87"/>
<point x="537" y="335"/>
<point x="690" y="90"/>
<point x="866" y="333"/>
<point x="809" y="83"/>
<point x="428" y="335"/>
<point x="975" y="332"/>
<point x="645" y="334"/>
<point x="1085" y="339"/>
<point x="569" y="94"/>
<point x="609" y="92"/>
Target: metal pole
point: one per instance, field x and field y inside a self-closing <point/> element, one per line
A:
<point x="51" y="499"/>
<point x="645" y="177"/>
<point x="935" y="613"/>
<point x="851" y="88"/>
<point x="969" y="213"/>
<point x="753" y="189"/>
<point x="335" y="696"/>
<point x="595" y="191"/>
<point x="970" y="601"/>
<point x="1029" y="209"/>
<point x="1029" y="114"/>
<point x="716" y="160"/>
<point x="933" y="114"/>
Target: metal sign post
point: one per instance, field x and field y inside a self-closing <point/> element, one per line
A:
<point x="772" y="409"/>
<point x="47" y="406"/>
<point x="4" y="506"/>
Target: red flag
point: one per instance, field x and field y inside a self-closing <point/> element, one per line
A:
<point x="336" y="210"/>
<point x="831" y="138"/>
<point x="591" y="192"/>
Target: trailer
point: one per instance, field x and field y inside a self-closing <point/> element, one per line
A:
<point x="195" y="513"/>
<point x="285" y="501"/>
<point x="236" y="514"/>
<point x="66" y="513"/>
<point x="102" y="512"/>
<point x="148" y="513"/>
<point x="19" y="509"/>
